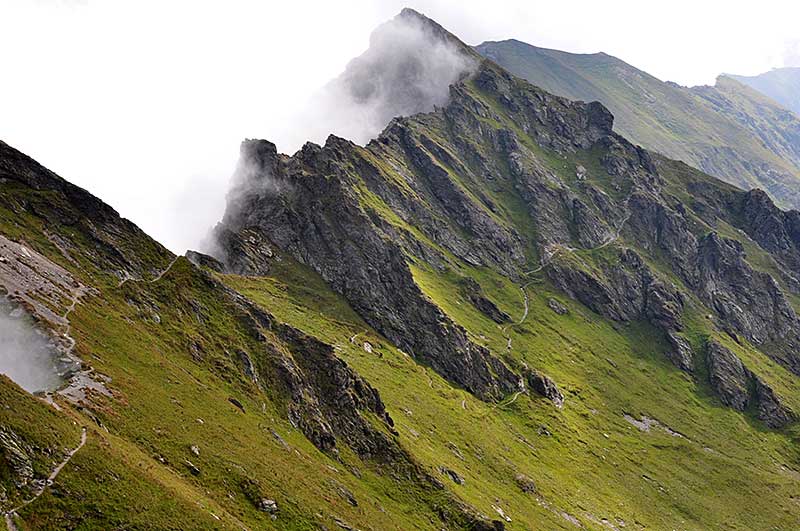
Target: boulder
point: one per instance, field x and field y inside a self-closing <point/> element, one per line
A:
<point x="557" y="307"/>
<point x="545" y="387"/>
<point x="525" y="484"/>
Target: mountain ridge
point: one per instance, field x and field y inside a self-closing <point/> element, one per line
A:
<point x="680" y="122"/>
<point x="780" y="84"/>
<point x="499" y="314"/>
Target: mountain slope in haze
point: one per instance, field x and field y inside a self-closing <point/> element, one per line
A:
<point x="733" y="141"/>
<point x="499" y="314"/>
<point x="780" y="84"/>
<point x="777" y="127"/>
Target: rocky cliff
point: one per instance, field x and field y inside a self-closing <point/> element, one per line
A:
<point x="435" y="190"/>
<point x="497" y="314"/>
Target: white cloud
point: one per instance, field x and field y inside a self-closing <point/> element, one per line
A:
<point x="26" y="354"/>
<point x="407" y="70"/>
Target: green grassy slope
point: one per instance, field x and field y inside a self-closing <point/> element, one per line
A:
<point x="168" y="350"/>
<point x="198" y="428"/>
<point x="587" y="461"/>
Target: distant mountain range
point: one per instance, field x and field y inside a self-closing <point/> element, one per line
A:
<point x="728" y="130"/>
<point x="781" y="84"/>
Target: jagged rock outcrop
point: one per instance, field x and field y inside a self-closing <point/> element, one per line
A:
<point x="326" y="398"/>
<point x="314" y="220"/>
<point x="727" y="130"/>
<point x="475" y="294"/>
<point x="770" y="409"/>
<point x="342" y="393"/>
<point x="204" y="260"/>
<point x="738" y="387"/>
<point x="432" y="191"/>
<point x="626" y="290"/>
<point x="410" y="194"/>
<point x="728" y="377"/>
<point x="244" y="253"/>
<point x="775" y="230"/>
<point x="544" y="386"/>
<point x="748" y="301"/>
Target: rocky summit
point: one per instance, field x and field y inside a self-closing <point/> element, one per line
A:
<point x="499" y="313"/>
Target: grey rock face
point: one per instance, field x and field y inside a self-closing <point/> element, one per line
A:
<point x="544" y="386"/>
<point x="770" y="409"/>
<point x="745" y="301"/>
<point x="680" y="352"/>
<point x="475" y="294"/>
<point x="748" y="302"/>
<point x="204" y="260"/>
<point x="728" y="377"/>
<point x="627" y="290"/>
<point x="738" y="387"/>
<point x="775" y="230"/>
<point x="314" y="220"/>
<point x="244" y="253"/>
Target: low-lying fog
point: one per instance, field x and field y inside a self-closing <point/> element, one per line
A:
<point x="26" y="354"/>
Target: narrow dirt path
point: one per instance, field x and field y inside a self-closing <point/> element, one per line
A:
<point x="76" y="297"/>
<point x="525" y="311"/>
<point x="152" y="280"/>
<point x="560" y="248"/>
<point x="9" y="515"/>
<point x="616" y="234"/>
<point x="503" y="404"/>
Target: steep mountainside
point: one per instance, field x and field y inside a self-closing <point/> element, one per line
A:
<point x="780" y="84"/>
<point x="727" y="130"/>
<point x="199" y="409"/>
<point x="499" y="314"/>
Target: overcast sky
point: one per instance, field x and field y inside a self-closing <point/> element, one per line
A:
<point x="144" y="103"/>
